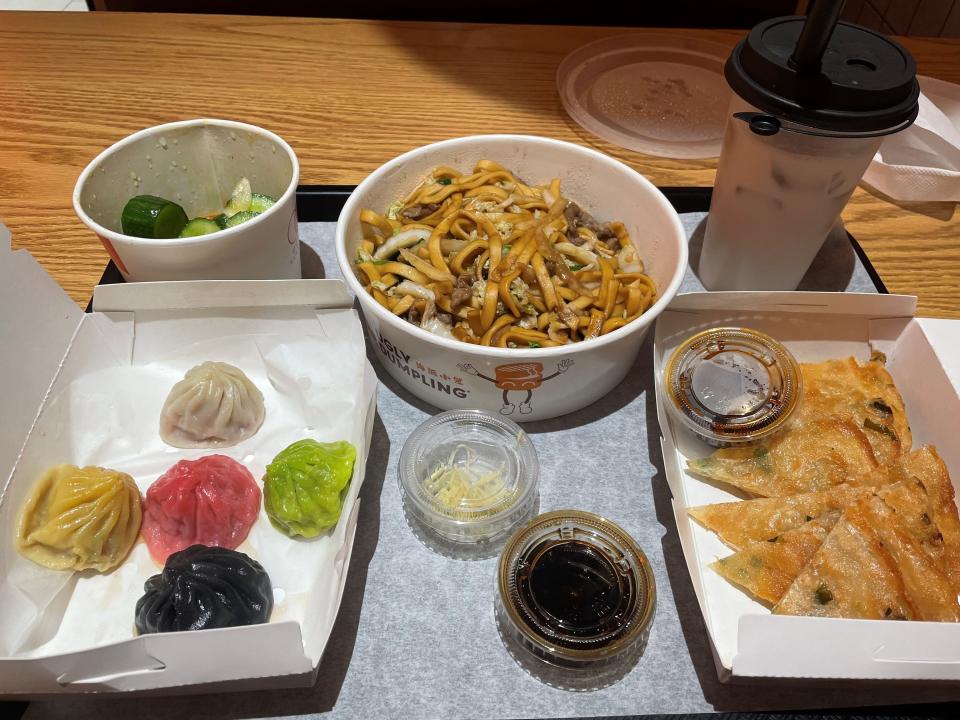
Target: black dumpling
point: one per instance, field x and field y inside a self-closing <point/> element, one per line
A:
<point x="205" y="587"/>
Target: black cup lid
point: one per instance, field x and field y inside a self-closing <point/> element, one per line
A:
<point x="866" y="81"/>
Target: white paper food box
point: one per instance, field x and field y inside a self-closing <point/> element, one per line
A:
<point x="748" y="641"/>
<point x="49" y="343"/>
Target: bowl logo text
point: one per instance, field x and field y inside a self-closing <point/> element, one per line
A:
<point x="416" y="370"/>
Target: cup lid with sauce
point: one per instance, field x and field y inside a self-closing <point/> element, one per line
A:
<point x="468" y="475"/>
<point x="732" y="385"/>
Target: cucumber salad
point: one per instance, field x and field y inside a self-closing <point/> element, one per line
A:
<point x="149" y="216"/>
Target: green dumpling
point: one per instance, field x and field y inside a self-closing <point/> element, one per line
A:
<point x="304" y="486"/>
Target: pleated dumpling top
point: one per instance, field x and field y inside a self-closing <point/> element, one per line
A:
<point x="79" y="519"/>
<point x="215" y="405"/>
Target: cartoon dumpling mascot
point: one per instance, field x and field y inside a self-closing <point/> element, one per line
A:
<point x="518" y="377"/>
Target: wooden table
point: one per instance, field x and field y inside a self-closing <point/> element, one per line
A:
<point x="347" y="95"/>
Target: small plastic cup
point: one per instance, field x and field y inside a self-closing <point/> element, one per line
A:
<point x="196" y="163"/>
<point x="469" y="476"/>
<point x="576" y="597"/>
<point x="731" y="385"/>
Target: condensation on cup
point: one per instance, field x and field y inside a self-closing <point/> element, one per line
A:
<point x="795" y="148"/>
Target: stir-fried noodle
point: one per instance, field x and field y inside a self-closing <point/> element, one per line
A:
<point x="490" y="260"/>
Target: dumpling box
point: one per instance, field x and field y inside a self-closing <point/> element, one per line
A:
<point x="747" y="640"/>
<point x="87" y="389"/>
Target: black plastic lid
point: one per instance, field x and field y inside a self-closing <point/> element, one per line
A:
<point x="866" y="81"/>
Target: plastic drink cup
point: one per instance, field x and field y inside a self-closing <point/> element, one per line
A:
<point x="796" y="144"/>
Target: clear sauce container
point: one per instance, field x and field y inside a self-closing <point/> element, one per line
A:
<point x="469" y="476"/>
<point x="576" y="598"/>
<point x="732" y="385"/>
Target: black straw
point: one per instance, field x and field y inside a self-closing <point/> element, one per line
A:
<point x="822" y="17"/>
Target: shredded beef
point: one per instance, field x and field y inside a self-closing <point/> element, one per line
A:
<point x="462" y="290"/>
<point x="572" y="213"/>
<point x="574" y="237"/>
<point x="606" y="233"/>
<point x="418" y="212"/>
<point x="578" y="217"/>
<point x="459" y="296"/>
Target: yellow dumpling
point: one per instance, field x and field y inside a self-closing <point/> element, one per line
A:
<point x="79" y="518"/>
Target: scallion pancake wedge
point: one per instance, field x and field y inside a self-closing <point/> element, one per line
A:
<point x="740" y="523"/>
<point x="924" y="579"/>
<point x="862" y="391"/>
<point x="850" y="576"/>
<point x="926" y="500"/>
<point x="767" y="569"/>
<point x="802" y="459"/>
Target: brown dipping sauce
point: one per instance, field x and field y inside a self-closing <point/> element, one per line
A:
<point x="574" y="594"/>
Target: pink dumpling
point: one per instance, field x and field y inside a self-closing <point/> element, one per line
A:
<point x="210" y="501"/>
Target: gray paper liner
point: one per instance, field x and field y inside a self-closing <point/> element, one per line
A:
<point x="416" y="636"/>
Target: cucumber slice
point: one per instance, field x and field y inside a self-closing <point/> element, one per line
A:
<point x="149" y="216"/>
<point x="239" y="199"/>
<point x="199" y="226"/>
<point x="240" y="217"/>
<point x="259" y="203"/>
<point x="221" y="220"/>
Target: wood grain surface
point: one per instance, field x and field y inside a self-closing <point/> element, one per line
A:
<point x="348" y="96"/>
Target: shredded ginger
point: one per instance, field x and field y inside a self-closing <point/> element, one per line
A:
<point x="458" y="486"/>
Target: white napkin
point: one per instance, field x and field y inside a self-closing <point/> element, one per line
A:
<point x="923" y="161"/>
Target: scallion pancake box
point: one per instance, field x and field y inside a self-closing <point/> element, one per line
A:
<point x="87" y="389"/>
<point x="747" y="640"/>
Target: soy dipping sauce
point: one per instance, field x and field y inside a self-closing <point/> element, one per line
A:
<point x="574" y="594"/>
<point x="576" y="598"/>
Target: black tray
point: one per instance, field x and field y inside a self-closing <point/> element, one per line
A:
<point x="323" y="203"/>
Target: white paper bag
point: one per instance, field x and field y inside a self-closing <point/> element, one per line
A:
<point x="922" y="163"/>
